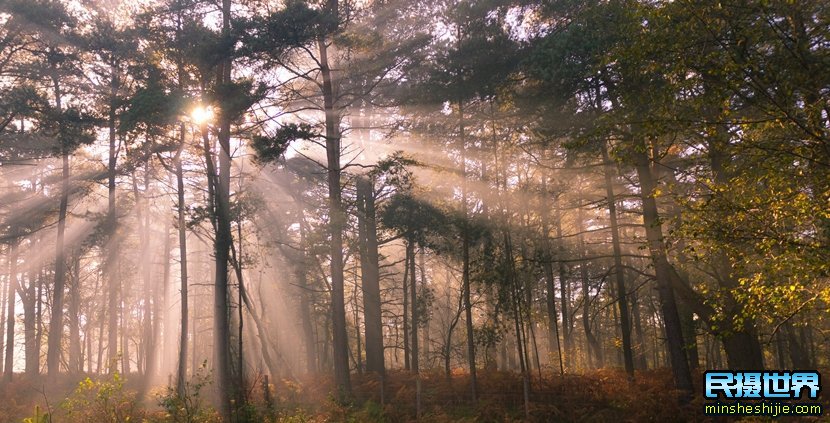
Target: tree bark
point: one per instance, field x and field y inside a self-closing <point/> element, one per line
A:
<point x="640" y="358"/>
<point x="4" y="299"/>
<point x="465" y="257"/>
<point x="413" y="294"/>
<point x="114" y="284"/>
<point x="56" y="320"/>
<point x="407" y="359"/>
<point x="622" y="300"/>
<point x="369" y="270"/>
<point x="306" y="299"/>
<point x="181" y="369"/>
<point x="553" y="323"/>
<point x="225" y="386"/>
<point x="567" y="322"/>
<point x="663" y="270"/>
<point x="75" y="359"/>
<point x="337" y="219"/>
<point x="13" y="288"/>
<point x="594" y="349"/>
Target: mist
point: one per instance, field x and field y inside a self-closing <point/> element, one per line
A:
<point x="279" y="211"/>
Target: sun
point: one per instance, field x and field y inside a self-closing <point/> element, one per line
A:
<point x="201" y="114"/>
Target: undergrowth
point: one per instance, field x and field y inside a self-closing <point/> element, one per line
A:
<point x="601" y="396"/>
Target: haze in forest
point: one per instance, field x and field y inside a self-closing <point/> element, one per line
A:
<point x="263" y="210"/>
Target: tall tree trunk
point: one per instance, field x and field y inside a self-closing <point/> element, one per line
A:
<point x="147" y="343"/>
<point x="161" y="302"/>
<point x="261" y="331"/>
<point x="181" y="369"/>
<point x="423" y="270"/>
<point x="369" y="270"/>
<point x="32" y="322"/>
<point x="521" y="341"/>
<point x="465" y="257"/>
<point x="640" y="358"/>
<point x="221" y="320"/>
<point x="407" y="360"/>
<point x="594" y="350"/>
<point x="13" y="288"/>
<point x="56" y="319"/>
<point x="306" y="299"/>
<point x="553" y="323"/>
<point x="413" y="295"/>
<point x="337" y="219"/>
<point x="113" y="282"/>
<point x="595" y="354"/>
<point x="75" y="359"/>
<point x="359" y="341"/>
<point x="100" y="358"/>
<point x="125" y="335"/>
<point x="4" y="299"/>
<point x="622" y="300"/>
<point x="567" y="322"/>
<point x="662" y="268"/>
<point x="684" y="308"/>
<point x="242" y="300"/>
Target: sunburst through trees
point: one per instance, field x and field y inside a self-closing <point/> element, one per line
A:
<point x="259" y="210"/>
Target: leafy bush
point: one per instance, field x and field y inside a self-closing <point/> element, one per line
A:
<point x="102" y="401"/>
<point x="188" y="407"/>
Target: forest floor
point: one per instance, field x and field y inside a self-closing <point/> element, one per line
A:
<point x="600" y="396"/>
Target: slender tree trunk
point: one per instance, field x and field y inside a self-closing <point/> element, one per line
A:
<point x="225" y="385"/>
<point x="640" y="358"/>
<point x="273" y="369"/>
<point x="567" y="322"/>
<point x="242" y="300"/>
<point x="32" y="322"/>
<point x="407" y="360"/>
<point x="87" y="353"/>
<point x="622" y="300"/>
<point x="553" y="324"/>
<point x="194" y="331"/>
<point x="465" y="257"/>
<point x="13" y="288"/>
<point x="56" y="320"/>
<point x="662" y="268"/>
<point x="147" y="343"/>
<point x="158" y="290"/>
<point x="521" y="345"/>
<point x="113" y="282"/>
<point x="99" y="363"/>
<point x="6" y="290"/>
<point x="595" y="356"/>
<point x="306" y="299"/>
<point x="369" y="270"/>
<point x="337" y="220"/>
<point x="181" y="226"/>
<point x="75" y="359"/>
<point x="447" y="350"/>
<point x="125" y="336"/>
<point x="423" y="270"/>
<point x="161" y="302"/>
<point x="413" y="294"/>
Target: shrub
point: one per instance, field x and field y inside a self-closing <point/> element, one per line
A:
<point x="102" y="401"/>
<point x="188" y="407"/>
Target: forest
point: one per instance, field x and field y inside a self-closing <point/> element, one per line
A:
<point x="408" y="210"/>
